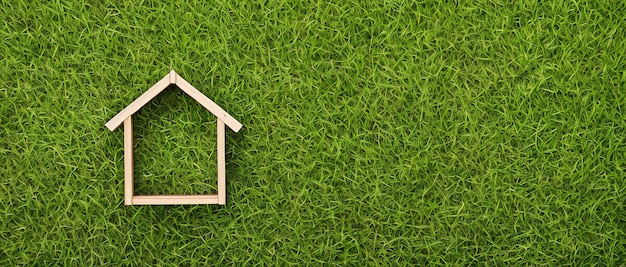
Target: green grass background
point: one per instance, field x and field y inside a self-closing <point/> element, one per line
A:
<point x="386" y="133"/>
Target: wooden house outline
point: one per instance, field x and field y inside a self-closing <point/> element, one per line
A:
<point x="125" y="117"/>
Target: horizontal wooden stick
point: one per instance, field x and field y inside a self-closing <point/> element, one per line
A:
<point x="175" y="199"/>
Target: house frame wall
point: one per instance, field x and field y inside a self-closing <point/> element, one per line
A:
<point x="129" y="195"/>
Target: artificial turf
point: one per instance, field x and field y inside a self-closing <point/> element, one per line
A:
<point x="384" y="133"/>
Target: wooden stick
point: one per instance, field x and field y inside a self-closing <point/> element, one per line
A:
<point x="128" y="161"/>
<point x="221" y="162"/>
<point x="208" y="104"/>
<point x="143" y="99"/>
<point x="172" y="75"/>
<point x="175" y="199"/>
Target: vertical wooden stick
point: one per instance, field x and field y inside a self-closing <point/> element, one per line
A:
<point x="221" y="163"/>
<point x="128" y="161"/>
<point x="172" y="75"/>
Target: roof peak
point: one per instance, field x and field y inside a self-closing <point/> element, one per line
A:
<point x="173" y="78"/>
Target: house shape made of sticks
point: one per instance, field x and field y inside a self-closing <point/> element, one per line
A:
<point x="124" y="117"/>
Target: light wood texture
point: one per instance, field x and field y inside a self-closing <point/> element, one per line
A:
<point x="172" y="75"/>
<point x="221" y="162"/>
<point x="175" y="200"/>
<point x="208" y="104"/>
<point x="128" y="161"/>
<point x="142" y="100"/>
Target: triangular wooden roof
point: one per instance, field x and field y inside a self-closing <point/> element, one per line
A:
<point x="169" y="79"/>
